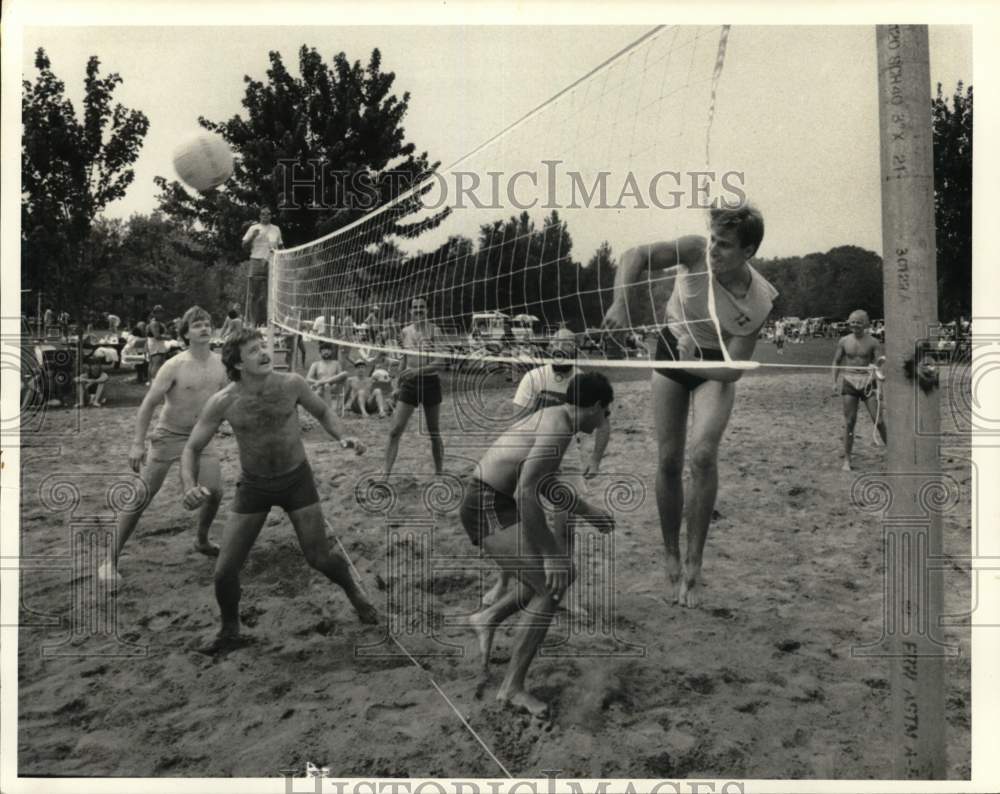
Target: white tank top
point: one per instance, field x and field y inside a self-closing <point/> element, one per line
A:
<point x="687" y="309"/>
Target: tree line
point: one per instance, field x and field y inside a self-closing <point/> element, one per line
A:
<point x="342" y="117"/>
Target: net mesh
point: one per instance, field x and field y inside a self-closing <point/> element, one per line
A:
<point x="522" y="236"/>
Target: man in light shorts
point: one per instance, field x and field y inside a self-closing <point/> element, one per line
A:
<point x="861" y="350"/>
<point x="183" y="385"/>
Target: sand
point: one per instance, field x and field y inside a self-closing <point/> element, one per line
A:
<point x="758" y="682"/>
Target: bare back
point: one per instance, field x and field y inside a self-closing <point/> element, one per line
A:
<point x="192" y="381"/>
<point x="266" y="424"/>
<point x="547" y="432"/>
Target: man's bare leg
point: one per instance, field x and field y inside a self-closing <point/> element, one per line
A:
<point x="310" y="528"/>
<point x="850" y="418"/>
<point x="432" y="415"/>
<point x="486" y="621"/>
<point x="670" y="409"/>
<point x="210" y="476"/>
<point x="237" y="539"/>
<point x="713" y="405"/>
<point x="872" y="405"/>
<point x="400" y="418"/>
<point x="512" y="551"/>
<point x="153" y="475"/>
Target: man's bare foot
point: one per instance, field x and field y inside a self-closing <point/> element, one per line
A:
<point x="223" y="642"/>
<point x="674" y="576"/>
<point x="207" y="548"/>
<point x="365" y="609"/>
<point x="522" y="700"/>
<point x="846" y="466"/>
<point x="689" y="593"/>
<point x="491" y="596"/>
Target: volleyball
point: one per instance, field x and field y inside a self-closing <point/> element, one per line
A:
<point x="203" y="161"/>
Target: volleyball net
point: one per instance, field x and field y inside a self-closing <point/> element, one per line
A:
<point x="522" y="236"/>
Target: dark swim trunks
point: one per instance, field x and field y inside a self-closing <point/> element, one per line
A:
<point x="666" y="350"/>
<point x="416" y="387"/>
<point x="485" y="510"/>
<point x="291" y="491"/>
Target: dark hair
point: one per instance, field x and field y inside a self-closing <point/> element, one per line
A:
<point x="746" y="218"/>
<point x="588" y="388"/>
<point x="231" y="351"/>
<point x="232" y="314"/>
<point x="327" y="346"/>
<point x="192" y="315"/>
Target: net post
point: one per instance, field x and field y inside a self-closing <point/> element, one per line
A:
<point x="914" y="592"/>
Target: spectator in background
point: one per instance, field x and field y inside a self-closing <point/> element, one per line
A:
<point x="135" y="345"/>
<point x="48" y="322"/>
<point x="91" y="383"/>
<point x="64" y="324"/>
<point x="233" y="323"/>
<point x="261" y="240"/>
<point x="156" y="342"/>
<point x="325" y="376"/>
<point x="114" y="323"/>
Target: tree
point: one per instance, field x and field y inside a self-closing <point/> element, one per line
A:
<point x="953" y="200"/>
<point x="323" y="149"/>
<point x="70" y="171"/>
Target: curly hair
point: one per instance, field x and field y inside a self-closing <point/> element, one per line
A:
<point x="588" y="388"/>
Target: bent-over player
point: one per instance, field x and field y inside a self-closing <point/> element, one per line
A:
<point x="502" y="512"/>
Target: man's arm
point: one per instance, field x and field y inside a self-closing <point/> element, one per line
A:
<point x="251" y="234"/>
<point x="311" y="374"/>
<point x="312" y="402"/>
<point x="208" y="423"/>
<point x="740" y="348"/>
<point x="162" y="384"/>
<point x="602" y="435"/>
<point x="648" y="259"/>
<point x="837" y="358"/>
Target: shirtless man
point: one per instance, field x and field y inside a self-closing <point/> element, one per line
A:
<point x="540" y="388"/>
<point x="183" y="385"/>
<point x="419" y="384"/>
<point x="502" y="512"/>
<point x="324" y="376"/>
<point x="261" y="406"/>
<point x="860" y="349"/>
<point x="743" y="301"/>
<point x="361" y="397"/>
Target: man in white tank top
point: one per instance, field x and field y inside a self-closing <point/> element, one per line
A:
<point x="743" y="301"/>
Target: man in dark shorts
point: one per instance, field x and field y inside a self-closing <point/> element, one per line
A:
<point x="502" y="512"/>
<point x="261" y="406"/>
<point x="419" y="384"/>
<point x="697" y="331"/>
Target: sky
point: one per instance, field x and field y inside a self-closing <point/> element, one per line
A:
<point x="796" y="109"/>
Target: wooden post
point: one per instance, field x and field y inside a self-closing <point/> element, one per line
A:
<point x="912" y="527"/>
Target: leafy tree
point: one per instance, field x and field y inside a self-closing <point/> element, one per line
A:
<point x="70" y="170"/>
<point x="953" y="200"/>
<point x="323" y="149"/>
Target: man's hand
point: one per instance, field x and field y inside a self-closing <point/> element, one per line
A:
<point x="592" y="470"/>
<point x="687" y="350"/>
<point x="601" y="520"/>
<point x="353" y="443"/>
<point x="617" y="317"/>
<point x="558" y="575"/>
<point x="195" y="497"/>
<point x="136" y="456"/>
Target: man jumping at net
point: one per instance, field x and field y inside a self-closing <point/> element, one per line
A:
<point x="743" y="301"/>
<point x="261" y="405"/>
<point x="503" y="514"/>
<point x="184" y="384"/>
<point x="861" y="350"/>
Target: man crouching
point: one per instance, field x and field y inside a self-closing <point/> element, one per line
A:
<point x="261" y="405"/>
<point x="503" y="514"/>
